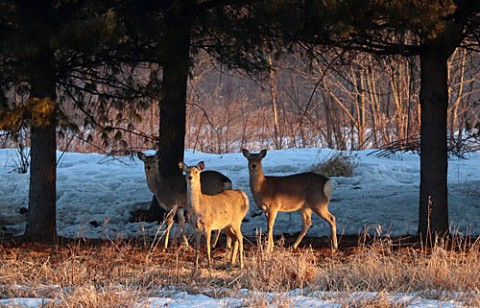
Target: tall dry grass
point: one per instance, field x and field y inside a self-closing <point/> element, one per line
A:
<point x="118" y="273"/>
<point x="449" y="269"/>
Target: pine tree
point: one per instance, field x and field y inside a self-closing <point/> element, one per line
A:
<point x="431" y="30"/>
<point x="42" y="42"/>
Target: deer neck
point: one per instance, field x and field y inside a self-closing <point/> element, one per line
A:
<point x="257" y="181"/>
<point x="154" y="181"/>
<point x="194" y="195"/>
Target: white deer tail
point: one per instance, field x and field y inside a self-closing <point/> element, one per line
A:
<point x="246" y="202"/>
<point x="328" y="189"/>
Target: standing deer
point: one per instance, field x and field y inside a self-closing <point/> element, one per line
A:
<point x="171" y="191"/>
<point x="304" y="192"/>
<point x="223" y="211"/>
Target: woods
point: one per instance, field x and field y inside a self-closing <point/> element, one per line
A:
<point x="347" y="75"/>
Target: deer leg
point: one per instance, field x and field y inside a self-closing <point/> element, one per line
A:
<point x="234" y="251"/>
<point x="239" y="242"/>
<point x="181" y="221"/>
<point x="325" y="214"/>
<point x="271" y="216"/>
<point x="170" y="217"/>
<point x="231" y="236"/>
<point x="307" y="223"/>
<point x="208" y="236"/>
<point x="198" y="238"/>
<point x="234" y="236"/>
<point x="217" y="236"/>
<point x="228" y="244"/>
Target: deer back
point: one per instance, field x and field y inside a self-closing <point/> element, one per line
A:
<point x="171" y="190"/>
<point x="213" y="182"/>
<point x="224" y="208"/>
<point x="290" y="193"/>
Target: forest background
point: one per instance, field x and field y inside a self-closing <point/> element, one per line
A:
<point x="346" y="75"/>
<point x="367" y="102"/>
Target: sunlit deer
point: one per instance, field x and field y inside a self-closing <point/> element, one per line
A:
<point x="223" y="211"/>
<point x="171" y="191"/>
<point x="305" y="192"/>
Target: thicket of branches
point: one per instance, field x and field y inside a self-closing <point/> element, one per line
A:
<point x="350" y="103"/>
<point x="366" y="103"/>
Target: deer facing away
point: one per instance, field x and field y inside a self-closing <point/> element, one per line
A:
<point x="171" y="191"/>
<point x="223" y="211"/>
<point x="305" y="192"/>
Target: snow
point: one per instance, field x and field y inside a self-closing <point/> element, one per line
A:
<point x="24" y="302"/>
<point x="95" y="195"/>
<point x="293" y="299"/>
<point x="246" y="298"/>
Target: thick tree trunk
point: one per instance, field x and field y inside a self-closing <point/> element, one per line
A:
<point x="176" y="66"/>
<point x="175" y="77"/>
<point x="433" y="214"/>
<point x="172" y="117"/>
<point x="39" y="66"/>
<point x="41" y="223"/>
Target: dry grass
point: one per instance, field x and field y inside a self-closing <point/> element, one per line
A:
<point x="339" y="164"/>
<point x="93" y="274"/>
<point x="281" y="271"/>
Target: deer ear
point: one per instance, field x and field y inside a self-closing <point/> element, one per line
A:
<point x="201" y="165"/>
<point x="263" y="153"/>
<point x="246" y="153"/>
<point x="182" y="166"/>
<point x="141" y="156"/>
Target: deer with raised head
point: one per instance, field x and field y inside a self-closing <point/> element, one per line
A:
<point x="223" y="211"/>
<point x="305" y="192"/>
<point x="171" y="191"/>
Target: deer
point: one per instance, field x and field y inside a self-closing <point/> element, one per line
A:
<point x="305" y="192"/>
<point x="224" y="211"/>
<point x="171" y="191"/>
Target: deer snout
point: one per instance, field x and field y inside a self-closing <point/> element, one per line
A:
<point x="253" y="166"/>
<point x="148" y="168"/>
<point x="190" y="177"/>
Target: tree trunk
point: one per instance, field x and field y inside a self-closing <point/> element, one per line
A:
<point x="433" y="214"/>
<point x="175" y="77"/>
<point x="459" y="95"/>
<point x="173" y="117"/>
<point x="328" y="121"/>
<point x="273" y="94"/>
<point x="41" y="223"/>
<point x="176" y="65"/>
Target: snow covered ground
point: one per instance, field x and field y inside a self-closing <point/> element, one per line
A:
<point x="95" y="195"/>
<point x="245" y="298"/>
<point x="381" y="195"/>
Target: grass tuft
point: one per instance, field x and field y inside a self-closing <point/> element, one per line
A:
<point x="280" y="271"/>
<point x="339" y="164"/>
